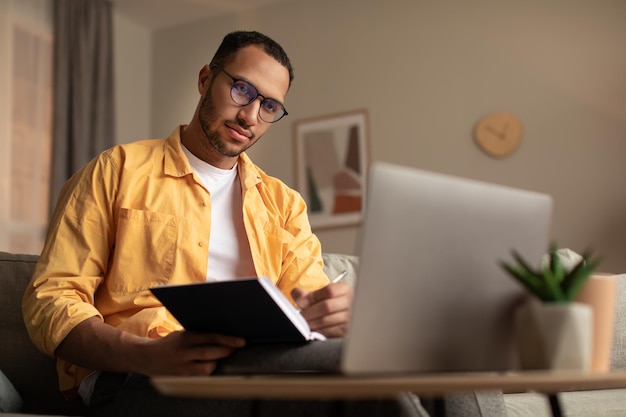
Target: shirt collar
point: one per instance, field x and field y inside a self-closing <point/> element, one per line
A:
<point x="177" y="165"/>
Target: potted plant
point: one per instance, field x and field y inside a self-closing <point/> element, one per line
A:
<point x="554" y="331"/>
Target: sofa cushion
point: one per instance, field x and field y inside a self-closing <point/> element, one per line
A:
<point x="335" y="263"/>
<point x="610" y="402"/>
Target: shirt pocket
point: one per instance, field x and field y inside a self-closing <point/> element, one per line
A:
<point x="279" y="241"/>
<point x="145" y="250"/>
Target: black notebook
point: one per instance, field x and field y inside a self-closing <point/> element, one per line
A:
<point x="251" y="308"/>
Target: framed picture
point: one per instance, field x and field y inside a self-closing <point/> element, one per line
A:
<point x="331" y="167"/>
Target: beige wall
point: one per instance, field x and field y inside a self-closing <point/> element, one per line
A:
<point x="133" y="79"/>
<point x="427" y="71"/>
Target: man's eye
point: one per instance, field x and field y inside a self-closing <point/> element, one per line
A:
<point x="270" y="106"/>
<point x="245" y="89"/>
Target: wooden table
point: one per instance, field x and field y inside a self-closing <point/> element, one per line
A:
<point x="335" y="387"/>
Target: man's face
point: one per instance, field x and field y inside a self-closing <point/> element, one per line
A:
<point x="230" y="128"/>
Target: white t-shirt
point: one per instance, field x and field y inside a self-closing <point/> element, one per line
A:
<point x="229" y="250"/>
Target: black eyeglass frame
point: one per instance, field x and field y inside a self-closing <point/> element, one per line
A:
<point x="235" y="80"/>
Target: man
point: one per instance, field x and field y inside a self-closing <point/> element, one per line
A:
<point x="185" y="209"/>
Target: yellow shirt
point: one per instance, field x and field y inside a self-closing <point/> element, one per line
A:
<point x="137" y="216"/>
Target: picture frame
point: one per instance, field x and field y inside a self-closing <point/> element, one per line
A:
<point x="331" y="161"/>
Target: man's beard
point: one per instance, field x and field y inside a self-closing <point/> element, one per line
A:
<point x="207" y="116"/>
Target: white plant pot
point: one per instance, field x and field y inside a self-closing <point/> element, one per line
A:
<point x="554" y="335"/>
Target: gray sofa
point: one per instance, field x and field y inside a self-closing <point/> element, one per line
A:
<point x="31" y="376"/>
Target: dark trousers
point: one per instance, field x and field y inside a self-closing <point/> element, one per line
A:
<point x="132" y="395"/>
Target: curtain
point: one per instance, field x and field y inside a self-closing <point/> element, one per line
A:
<point x="83" y="119"/>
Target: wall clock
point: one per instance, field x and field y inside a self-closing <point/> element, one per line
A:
<point x="499" y="134"/>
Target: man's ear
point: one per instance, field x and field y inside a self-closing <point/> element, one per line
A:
<point x="204" y="78"/>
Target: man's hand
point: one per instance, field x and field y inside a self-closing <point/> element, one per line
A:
<point x="327" y="310"/>
<point x="93" y="344"/>
<point x="187" y="353"/>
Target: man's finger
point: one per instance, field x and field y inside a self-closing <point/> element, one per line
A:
<point x="300" y="297"/>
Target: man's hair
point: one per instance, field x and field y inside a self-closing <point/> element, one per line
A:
<point x="235" y="41"/>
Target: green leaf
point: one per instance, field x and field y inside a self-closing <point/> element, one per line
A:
<point x="518" y="258"/>
<point x="529" y="279"/>
<point x="552" y="283"/>
<point x="556" y="265"/>
<point x="575" y="280"/>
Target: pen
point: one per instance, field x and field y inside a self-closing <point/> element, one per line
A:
<point x="339" y="277"/>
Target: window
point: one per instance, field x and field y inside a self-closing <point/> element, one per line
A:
<point x="25" y="124"/>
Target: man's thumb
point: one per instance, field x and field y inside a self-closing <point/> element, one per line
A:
<point x="299" y="297"/>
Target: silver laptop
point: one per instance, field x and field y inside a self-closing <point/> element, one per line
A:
<point x="430" y="295"/>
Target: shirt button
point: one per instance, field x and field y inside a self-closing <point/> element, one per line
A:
<point x="202" y="244"/>
<point x="205" y="204"/>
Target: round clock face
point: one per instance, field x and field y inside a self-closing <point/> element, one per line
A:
<point x="499" y="134"/>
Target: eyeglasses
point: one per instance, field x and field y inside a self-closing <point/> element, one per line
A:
<point x="244" y="93"/>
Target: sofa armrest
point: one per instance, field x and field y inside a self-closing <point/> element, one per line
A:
<point x="32" y="373"/>
<point x="618" y="354"/>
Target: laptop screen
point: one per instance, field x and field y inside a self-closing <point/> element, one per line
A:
<point x="430" y="295"/>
